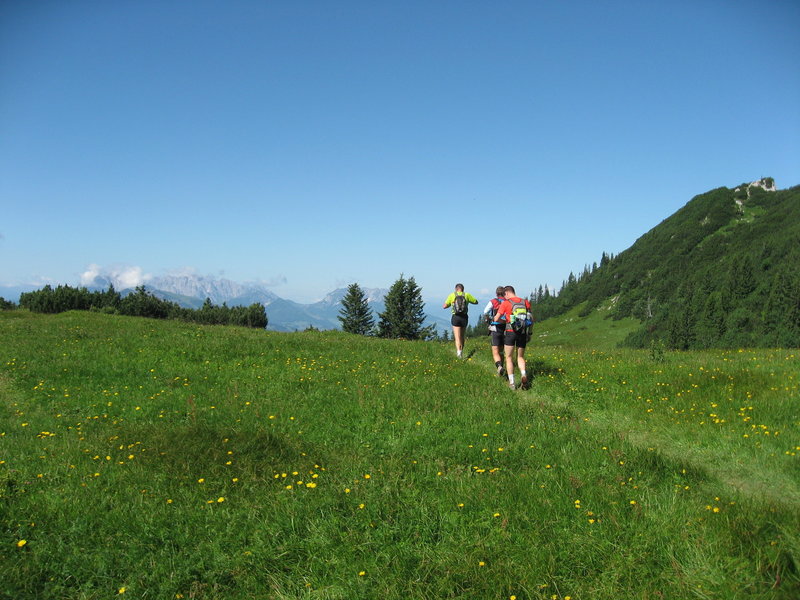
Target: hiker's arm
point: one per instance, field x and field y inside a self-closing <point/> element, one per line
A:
<point x="498" y="317"/>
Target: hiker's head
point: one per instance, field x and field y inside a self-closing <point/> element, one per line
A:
<point x="500" y="291"/>
<point x="509" y="290"/>
<point x="459" y="287"/>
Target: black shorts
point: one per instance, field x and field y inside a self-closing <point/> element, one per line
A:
<point x="459" y="320"/>
<point x="512" y="338"/>
<point x="498" y="337"/>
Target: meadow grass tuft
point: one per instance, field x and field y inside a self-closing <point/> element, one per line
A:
<point x="167" y="460"/>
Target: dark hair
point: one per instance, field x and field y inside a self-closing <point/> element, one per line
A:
<point x="459" y="287"/>
<point x="510" y="288"/>
<point x="500" y="290"/>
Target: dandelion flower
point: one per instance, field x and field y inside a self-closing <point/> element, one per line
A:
<point x="21" y="543"/>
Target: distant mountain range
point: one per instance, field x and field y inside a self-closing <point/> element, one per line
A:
<point x="283" y="314"/>
<point x="191" y="290"/>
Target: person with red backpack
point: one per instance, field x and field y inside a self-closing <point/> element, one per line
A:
<point x="515" y="313"/>
<point x="497" y="331"/>
<point x="459" y="301"/>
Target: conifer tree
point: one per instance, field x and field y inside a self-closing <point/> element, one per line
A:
<point x="405" y="312"/>
<point x="710" y="326"/>
<point x="356" y="315"/>
<point x="782" y="308"/>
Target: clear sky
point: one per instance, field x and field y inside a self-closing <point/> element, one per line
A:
<point x="315" y="144"/>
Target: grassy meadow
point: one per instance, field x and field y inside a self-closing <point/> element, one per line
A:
<point x="593" y="331"/>
<point x="159" y="459"/>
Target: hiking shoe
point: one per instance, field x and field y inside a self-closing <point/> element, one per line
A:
<point x="501" y="372"/>
<point x="512" y="386"/>
<point x="525" y="384"/>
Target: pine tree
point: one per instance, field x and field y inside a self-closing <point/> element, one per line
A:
<point x="356" y="315"/>
<point x="405" y="312"/>
<point x="782" y="308"/>
<point x="710" y="326"/>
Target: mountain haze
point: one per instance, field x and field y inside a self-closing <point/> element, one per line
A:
<point x="191" y="290"/>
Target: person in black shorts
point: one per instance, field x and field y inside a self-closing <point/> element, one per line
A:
<point x="496" y="330"/>
<point x="459" y="300"/>
<point x="512" y="339"/>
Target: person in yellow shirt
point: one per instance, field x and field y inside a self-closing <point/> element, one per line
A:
<point x="458" y="302"/>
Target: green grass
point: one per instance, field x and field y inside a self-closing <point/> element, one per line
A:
<point x="178" y="461"/>
<point x="596" y="330"/>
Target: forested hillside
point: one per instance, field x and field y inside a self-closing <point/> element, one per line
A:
<point x="723" y="271"/>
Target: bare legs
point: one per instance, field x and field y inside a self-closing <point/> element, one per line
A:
<point x="520" y="354"/>
<point x="458" y="336"/>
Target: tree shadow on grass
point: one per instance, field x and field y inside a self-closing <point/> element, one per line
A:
<point x="202" y="448"/>
<point x="539" y="368"/>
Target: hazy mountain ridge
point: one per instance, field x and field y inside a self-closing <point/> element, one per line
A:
<point x="191" y="290"/>
<point x="283" y="314"/>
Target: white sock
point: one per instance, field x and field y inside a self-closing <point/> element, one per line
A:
<point x="511" y="379"/>
<point x="524" y="375"/>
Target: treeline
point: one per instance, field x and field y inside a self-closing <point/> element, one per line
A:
<point x="402" y="317"/>
<point x="723" y="271"/>
<point x="140" y="303"/>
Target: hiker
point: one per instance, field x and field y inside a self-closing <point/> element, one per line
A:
<point x="496" y="331"/>
<point x="459" y="300"/>
<point x="515" y="313"/>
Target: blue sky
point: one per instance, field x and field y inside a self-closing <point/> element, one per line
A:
<point x="314" y="144"/>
